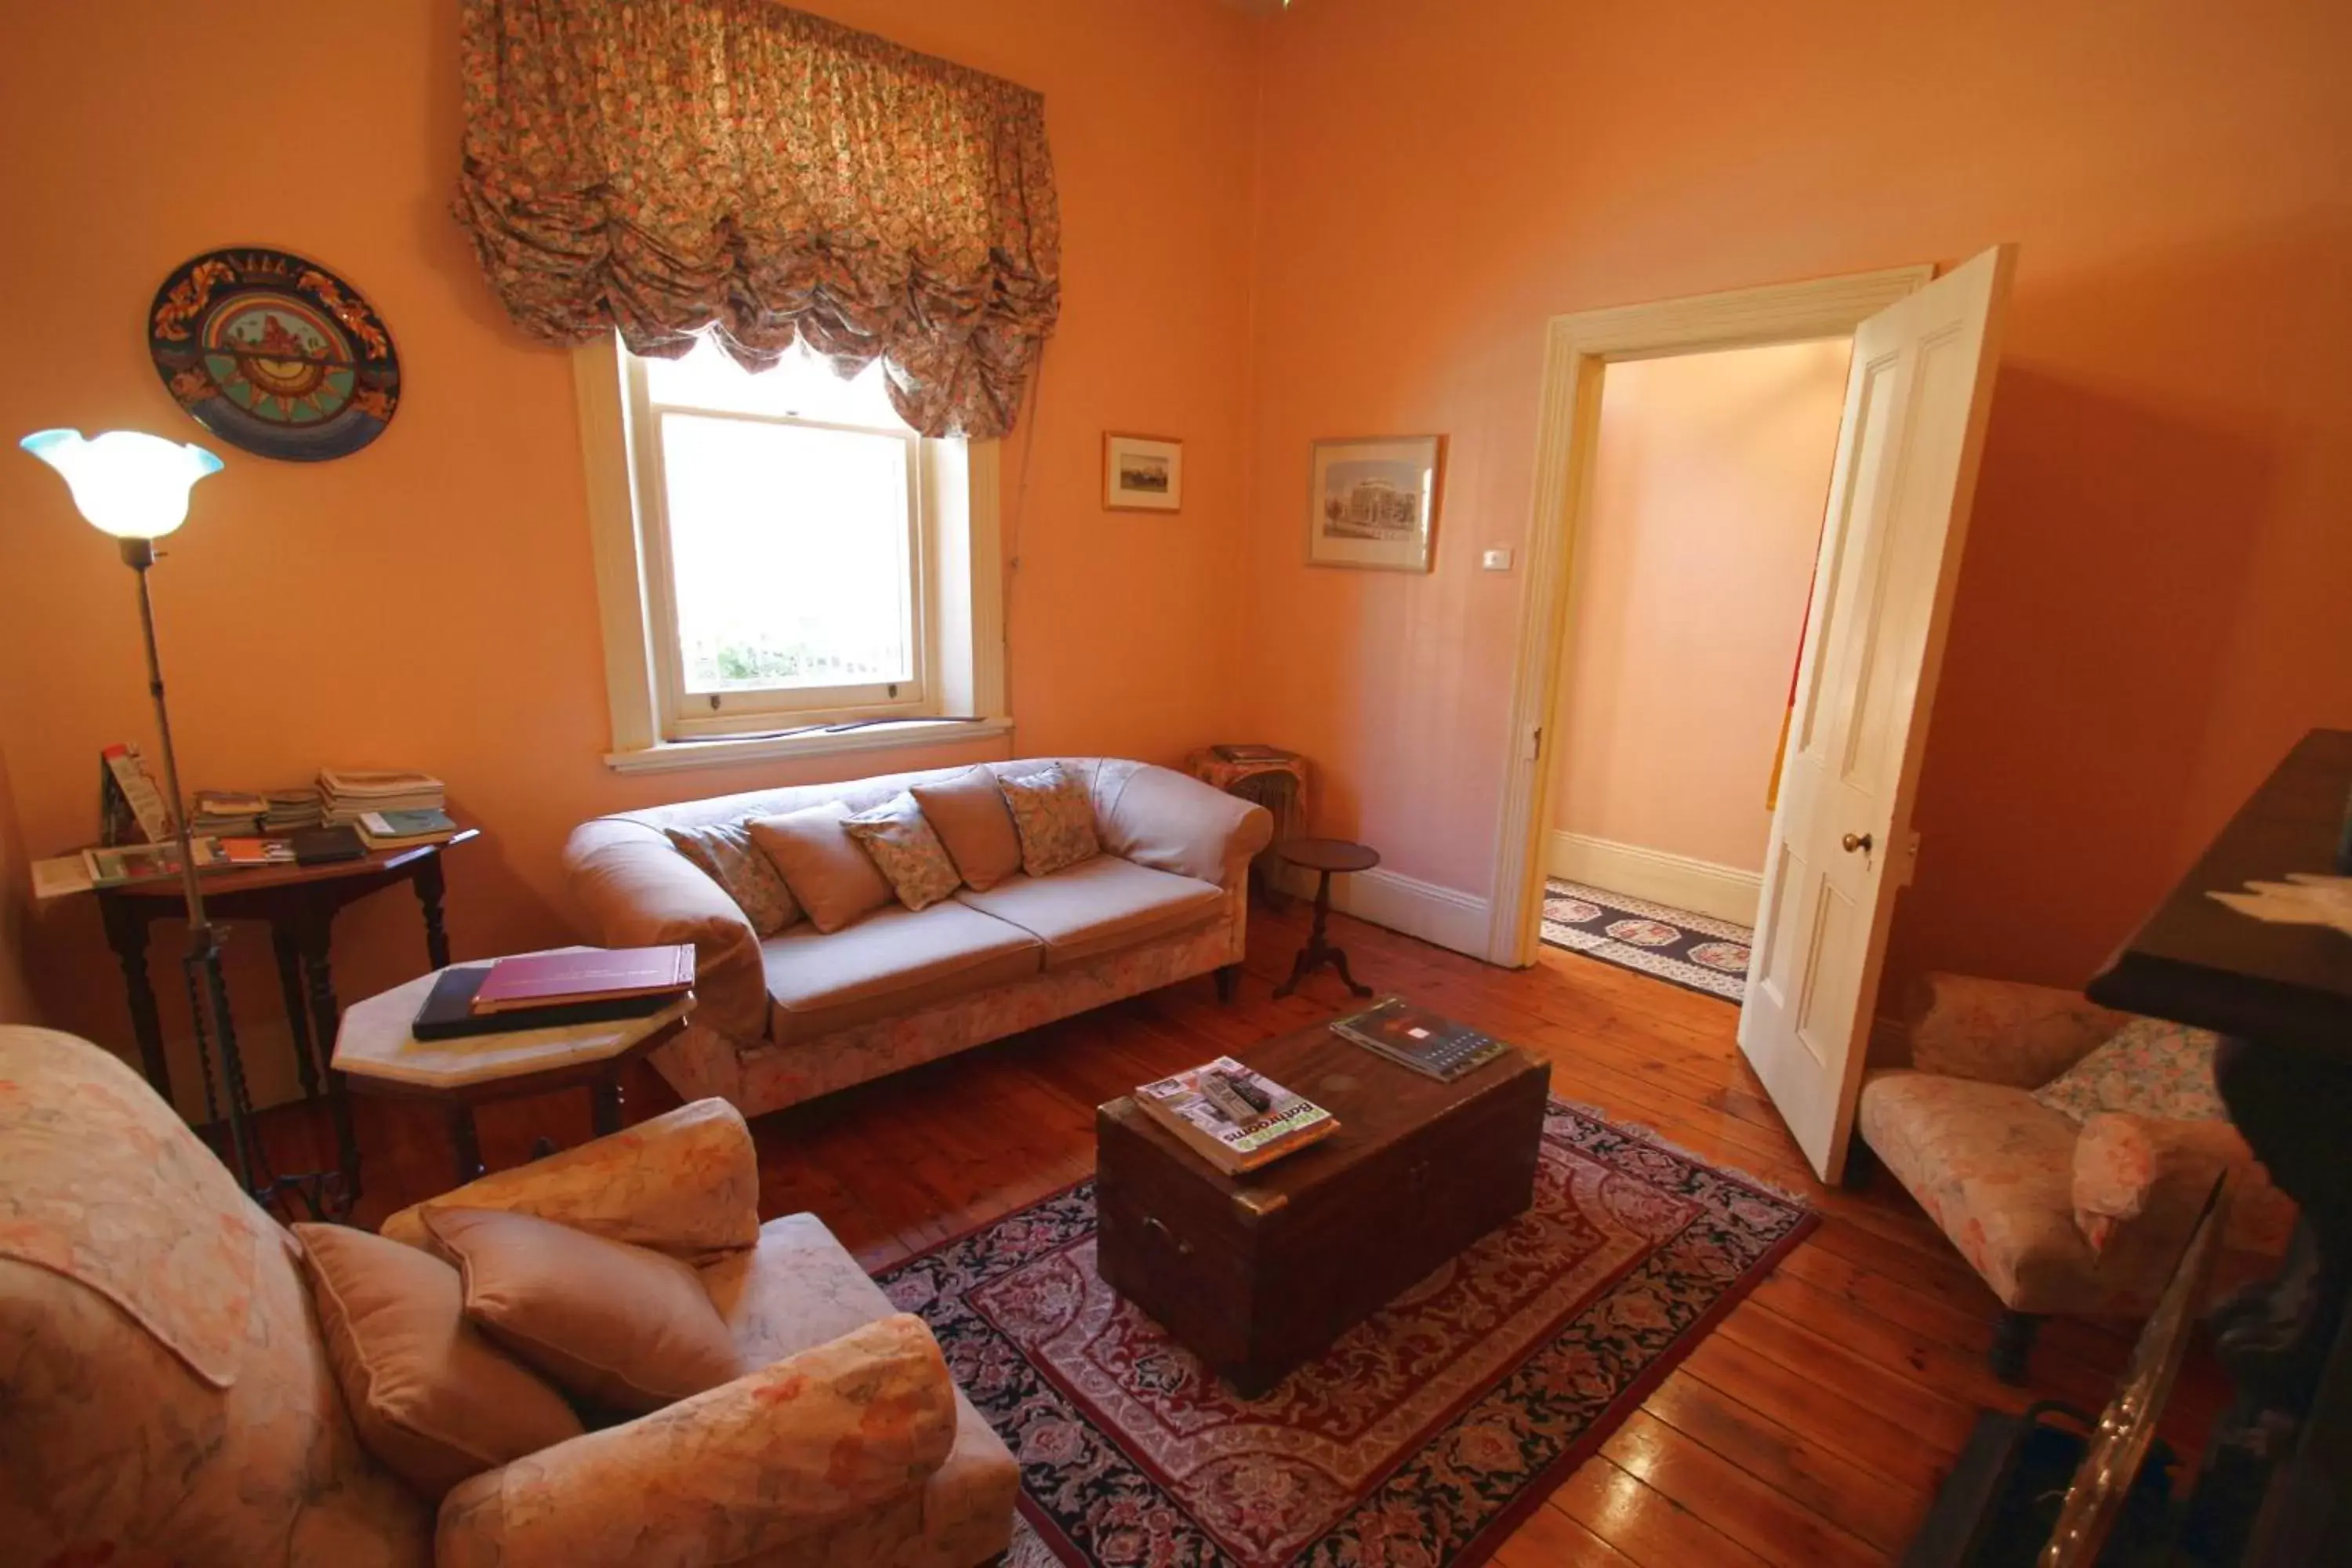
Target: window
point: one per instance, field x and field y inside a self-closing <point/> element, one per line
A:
<point x="795" y="560"/>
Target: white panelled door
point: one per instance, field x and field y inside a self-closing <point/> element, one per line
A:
<point x="1916" y="404"/>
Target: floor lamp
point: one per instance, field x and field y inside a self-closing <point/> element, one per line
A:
<point x="135" y="486"/>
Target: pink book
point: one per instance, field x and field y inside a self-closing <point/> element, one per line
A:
<point x="599" y="974"/>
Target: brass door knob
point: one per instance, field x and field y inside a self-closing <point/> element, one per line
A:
<point x="1854" y="841"/>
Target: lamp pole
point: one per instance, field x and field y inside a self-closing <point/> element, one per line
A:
<point x="207" y="989"/>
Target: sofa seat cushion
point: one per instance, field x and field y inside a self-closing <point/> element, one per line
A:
<point x="1995" y="1170"/>
<point x="1098" y="906"/>
<point x="889" y="962"/>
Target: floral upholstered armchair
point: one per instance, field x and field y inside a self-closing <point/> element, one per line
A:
<point x="171" y="1398"/>
<point x="2086" y="1216"/>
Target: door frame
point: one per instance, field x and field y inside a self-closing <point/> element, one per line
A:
<point x="1576" y="348"/>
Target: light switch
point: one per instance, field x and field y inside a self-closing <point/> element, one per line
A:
<point x="1496" y="561"/>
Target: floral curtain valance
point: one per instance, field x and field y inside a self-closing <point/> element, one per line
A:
<point x="668" y="166"/>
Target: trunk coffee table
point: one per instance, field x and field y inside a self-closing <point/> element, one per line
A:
<point x="1257" y="1274"/>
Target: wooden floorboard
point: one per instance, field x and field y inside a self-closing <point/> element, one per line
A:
<point x="1809" y="1429"/>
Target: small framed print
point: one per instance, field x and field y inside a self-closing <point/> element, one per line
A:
<point x="1374" y="500"/>
<point x="1142" y="473"/>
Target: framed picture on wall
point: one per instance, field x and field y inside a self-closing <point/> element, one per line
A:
<point x="1142" y="473"/>
<point x="1374" y="503"/>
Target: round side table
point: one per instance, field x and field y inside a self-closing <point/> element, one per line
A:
<point x="1326" y="857"/>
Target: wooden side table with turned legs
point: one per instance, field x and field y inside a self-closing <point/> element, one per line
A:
<point x="1326" y="857"/>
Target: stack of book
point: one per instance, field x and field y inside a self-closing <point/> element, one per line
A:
<point x="545" y="990"/>
<point x="390" y="810"/>
<point x="230" y="811"/>
<point x="284" y="810"/>
<point x="1235" y="1119"/>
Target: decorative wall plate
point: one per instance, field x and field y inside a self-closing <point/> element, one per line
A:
<point x="272" y="352"/>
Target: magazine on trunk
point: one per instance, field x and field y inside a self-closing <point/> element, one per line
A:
<point x="1187" y="1105"/>
<point x="1427" y="1042"/>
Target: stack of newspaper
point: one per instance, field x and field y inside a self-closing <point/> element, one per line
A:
<point x="347" y="795"/>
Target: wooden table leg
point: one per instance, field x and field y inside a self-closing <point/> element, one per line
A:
<point x="126" y="933"/>
<point x="313" y="939"/>
<point x="604" y="1105"/>
<point x="1319" y="949"/>
<point x="462" y="1139"/>
<point x="431" y="886"/>
<point x="289" y="954"/>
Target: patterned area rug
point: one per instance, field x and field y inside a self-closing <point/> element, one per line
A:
<point x="1697" y="952"/>
<point x="1421" y="1438"/>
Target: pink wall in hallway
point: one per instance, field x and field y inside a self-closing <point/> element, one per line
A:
<point x="2152" y="606"/>
<point x="1691" y="574"/>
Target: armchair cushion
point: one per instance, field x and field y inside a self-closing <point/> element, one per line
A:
<point x="628" y="1328"/>
<point x="760" y="1465"/>
<point x="2150" y="1068"/>
<point x="686" y="1183"/>
<point x="1999" y="1031"/>
<point x="431" y="1399"/>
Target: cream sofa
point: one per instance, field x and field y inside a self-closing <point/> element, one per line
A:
<point x="804" y="1013"/>
<point x="170" y="1396"/>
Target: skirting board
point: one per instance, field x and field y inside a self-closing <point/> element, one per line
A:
<point x="1447" y="916"/>
<point x="1700" y="886"/>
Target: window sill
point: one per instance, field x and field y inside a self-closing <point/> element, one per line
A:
<point x="678" y="756"/>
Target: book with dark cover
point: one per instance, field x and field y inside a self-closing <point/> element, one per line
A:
<point x="448" y="1012"/>
<point x="325" y="845"/>
<point x="1416" y="1038"/>
<point x="588" y="974"/>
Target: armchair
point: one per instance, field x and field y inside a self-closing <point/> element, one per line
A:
<point x="2086" y="1219"/>
<point x="170" y="1395"/>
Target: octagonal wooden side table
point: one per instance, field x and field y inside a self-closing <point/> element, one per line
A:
<point x="378" y="1054"/>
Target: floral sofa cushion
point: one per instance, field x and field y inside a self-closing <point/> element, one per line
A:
<point x="2148" y="1068"/>
<point x="1054" y="817"/>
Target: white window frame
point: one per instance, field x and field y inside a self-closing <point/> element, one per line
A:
<point x="958" y="692"/>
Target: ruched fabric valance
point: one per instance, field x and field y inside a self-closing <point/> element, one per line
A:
<point x="668" y="166"/>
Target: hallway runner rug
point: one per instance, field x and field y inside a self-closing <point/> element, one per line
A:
<point x="1423" y="1437"/>
<point x="1695" y="952"/>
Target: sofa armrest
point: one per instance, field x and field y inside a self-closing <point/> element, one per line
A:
<point x="1169" y="821"/>
<point x="637" y="890"/>
<point x="685" y="1183"/>
<point x="777" y="1457"/>
<point x="2002" y="1031"/>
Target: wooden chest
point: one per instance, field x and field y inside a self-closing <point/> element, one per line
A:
<point x="1259" y="1273"/>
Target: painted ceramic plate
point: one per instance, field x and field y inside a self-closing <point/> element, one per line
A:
<point x="274" y="354"/>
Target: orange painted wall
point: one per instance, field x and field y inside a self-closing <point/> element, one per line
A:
<point x="2152" y="603"/>
<point x="1690" y="577"/>
<point x="16" y="994"/>
<point x="430" y="600"/>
